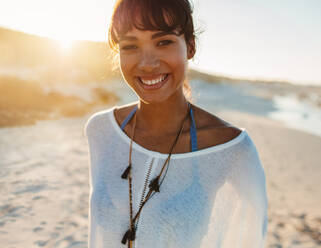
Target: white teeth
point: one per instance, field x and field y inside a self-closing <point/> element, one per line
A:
<point x="154" y="81"/>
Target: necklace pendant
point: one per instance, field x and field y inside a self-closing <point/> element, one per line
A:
<point x="129" y="235"/>
<point x="126" y="172"/>
<point x="154" y="185"/>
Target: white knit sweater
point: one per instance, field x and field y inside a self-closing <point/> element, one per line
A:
<point x="212" y="198"/>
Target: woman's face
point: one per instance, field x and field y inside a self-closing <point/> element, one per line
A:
<point x="154" y="64"/>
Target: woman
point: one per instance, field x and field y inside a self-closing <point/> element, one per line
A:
<point x="164" y="172"/>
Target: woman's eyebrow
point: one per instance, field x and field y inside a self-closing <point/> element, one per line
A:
<point x="163" y="33"/>
<point x="154" y="36"/>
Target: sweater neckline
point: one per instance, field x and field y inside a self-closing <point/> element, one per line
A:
<point x="156" y="154"/>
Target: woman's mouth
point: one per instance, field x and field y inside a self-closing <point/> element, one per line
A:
<point x="150" y="83"/>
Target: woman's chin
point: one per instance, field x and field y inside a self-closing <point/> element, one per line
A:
<point x="152" y="100"/>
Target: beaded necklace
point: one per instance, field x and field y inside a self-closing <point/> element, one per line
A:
<point x="154" y="185"/>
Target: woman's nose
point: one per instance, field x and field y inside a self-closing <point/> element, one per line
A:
<point x="149" y="61"/>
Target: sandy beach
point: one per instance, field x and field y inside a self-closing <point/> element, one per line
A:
<point x="44" y="182"/>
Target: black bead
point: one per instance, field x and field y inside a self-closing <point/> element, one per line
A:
<point x="125" y="237"/>
<point x="154" y="185"/>
<point x="129" y="235"/>
<point x="125" y="173"/>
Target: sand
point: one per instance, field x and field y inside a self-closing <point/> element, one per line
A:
<point x="44" y="182"/>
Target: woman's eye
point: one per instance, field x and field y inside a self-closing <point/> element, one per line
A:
<point x="164" y="42"/>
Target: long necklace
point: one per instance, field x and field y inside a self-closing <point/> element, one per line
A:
<point x="153" y="186"/>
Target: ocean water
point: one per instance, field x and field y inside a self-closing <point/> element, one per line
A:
<point x="297" y="114"/>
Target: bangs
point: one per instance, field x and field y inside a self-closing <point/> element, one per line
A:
<point x="152" y="15"/>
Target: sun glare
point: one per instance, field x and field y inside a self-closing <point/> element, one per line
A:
<point x="65" y="44"/>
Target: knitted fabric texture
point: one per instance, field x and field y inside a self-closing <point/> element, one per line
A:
<point x="211" y="198"/>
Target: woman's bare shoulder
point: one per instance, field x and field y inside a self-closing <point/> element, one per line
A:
<point x="121" y="112"/>
<point x="213" y="130"/>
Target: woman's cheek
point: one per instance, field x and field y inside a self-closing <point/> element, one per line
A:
<point x="125" y="65"/>
<point x="178" y="55"/>
<point x="179" y="62"/>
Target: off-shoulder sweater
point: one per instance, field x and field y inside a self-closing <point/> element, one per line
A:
<point x="210" y="198"/>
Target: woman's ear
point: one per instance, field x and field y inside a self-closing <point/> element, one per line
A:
<point x="191" y="49"/>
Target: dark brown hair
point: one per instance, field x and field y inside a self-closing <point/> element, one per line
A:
<point x="163" y="15"/>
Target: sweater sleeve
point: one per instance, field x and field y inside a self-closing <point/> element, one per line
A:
<point x="239" y="214"/>
<point x="247" y="179"/>
<point x="91" y="132"/>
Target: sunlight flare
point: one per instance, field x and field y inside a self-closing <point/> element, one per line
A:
<point x="65" y="44"/>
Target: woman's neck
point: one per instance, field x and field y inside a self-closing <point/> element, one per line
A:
<point x="163" y="118"/>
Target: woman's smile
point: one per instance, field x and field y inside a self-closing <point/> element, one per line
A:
<point x="153" y="82"/>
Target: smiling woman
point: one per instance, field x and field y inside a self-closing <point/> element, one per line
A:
<point x="172" y="20"/>
<point x="163" y="171"/>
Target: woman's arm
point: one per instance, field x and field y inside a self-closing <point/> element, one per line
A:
<point x="249" y="182"/>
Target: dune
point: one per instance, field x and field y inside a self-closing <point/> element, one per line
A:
<point x="24" y="102"/>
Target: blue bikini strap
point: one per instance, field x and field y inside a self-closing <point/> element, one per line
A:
<point x="192" y="129"/>
<point x="193" y="132"/>
<point x="128" y="117"/>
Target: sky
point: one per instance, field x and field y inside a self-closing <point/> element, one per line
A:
<point x="250" y="39"/>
